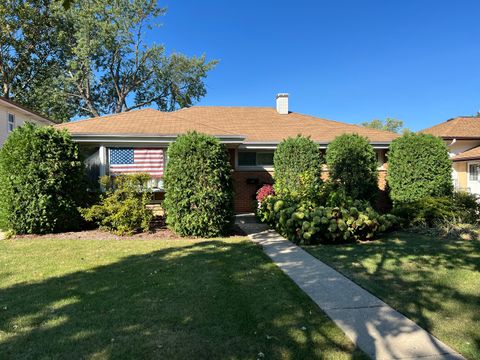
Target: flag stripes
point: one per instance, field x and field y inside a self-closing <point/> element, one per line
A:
<point x="133" y="160"/>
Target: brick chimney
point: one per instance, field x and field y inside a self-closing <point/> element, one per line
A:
<point x="282" y="103"/>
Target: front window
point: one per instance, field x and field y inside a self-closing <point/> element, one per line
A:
<point x="473" y="172"/>
<point x="11" y="122"/>
<point x="255" y="158"/>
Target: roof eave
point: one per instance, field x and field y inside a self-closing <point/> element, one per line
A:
<point x="466" y="158"/>
<point x="449" y="137"/>
<point x="322" y="144"/>
<point x="36" y="116"/>
<point x="142" y="138"/>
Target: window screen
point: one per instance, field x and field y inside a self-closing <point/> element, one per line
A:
<point x="473" y="172"/>
<point x="265" y="158"/>
<point x="247" y="158"/>
<point x="254" y="158"/>
<point x="11" y="122"/>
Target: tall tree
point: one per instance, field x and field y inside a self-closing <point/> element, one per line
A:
<point x="388" y="124"/>
<point x="31" y="56"/>
<point x="111" y="69"/>
<point x="90" y="58"/>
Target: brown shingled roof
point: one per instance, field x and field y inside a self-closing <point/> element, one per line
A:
<point x="256" y="124"/>
<point x="460" y="127"/>
<point x="471" y="154"/>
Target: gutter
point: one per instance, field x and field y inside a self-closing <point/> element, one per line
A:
<point x="144" y="139"/>
<point x="253" y="145"/>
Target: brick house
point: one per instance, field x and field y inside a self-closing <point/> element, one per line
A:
<point x="251" y="135"/>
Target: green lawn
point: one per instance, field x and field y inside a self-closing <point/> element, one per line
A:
<point x="162" y="299"/>
<point x="435" y="282"/>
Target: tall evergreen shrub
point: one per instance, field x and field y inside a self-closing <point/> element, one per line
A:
<point x="298" y="164"/>
<point x="352" y="164"/>
<point x="42" y="181"/>
<point x="419" y="166"/>
<point x="198" y="186"/>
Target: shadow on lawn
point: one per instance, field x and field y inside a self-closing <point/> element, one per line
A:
<point x="208" y="300"/>
<point x="405" y="270"/>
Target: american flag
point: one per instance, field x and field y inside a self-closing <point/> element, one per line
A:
<point x="130" y="161"/>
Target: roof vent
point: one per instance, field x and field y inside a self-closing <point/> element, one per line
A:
<point x="282" y="103"/>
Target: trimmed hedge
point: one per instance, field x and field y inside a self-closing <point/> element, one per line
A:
<point x="42" y="181"/>
<point x="198" y="186"/>
<point x="352" y="164"/>
<point x="418" y="166"/>
<point x="123" y="207"/>
<point x="298" y="165"/>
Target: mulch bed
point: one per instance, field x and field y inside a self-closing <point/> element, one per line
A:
<point x="161" y="233"/>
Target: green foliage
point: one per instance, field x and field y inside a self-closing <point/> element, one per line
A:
<point x="460" y="208"/>
<point x="418" y="166"/>
<point x="389" y="124"/>
<point x="32" y="35"/>
<point x="425" y="212"/>
<point x="42" y="181"/>
<point x="92" y="58"/>
<point x="198" y="186"/>
<point x="298" y="166"/>
<point x="123" y="207"/>
<point x="352" y="164"/>
<point x="467" y="207"/>
<point x="303" y="221"/>
<point x="124" y="72"/>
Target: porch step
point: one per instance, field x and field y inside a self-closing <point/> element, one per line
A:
<point x="248" y="218"/>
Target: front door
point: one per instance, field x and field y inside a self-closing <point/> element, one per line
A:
<point x="474" y="177"/>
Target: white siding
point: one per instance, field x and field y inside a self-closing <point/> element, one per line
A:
<point x="20" y="119"/>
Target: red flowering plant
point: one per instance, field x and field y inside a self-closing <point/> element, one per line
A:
<point x="263" y="192"/>
<point x="265" y="195"/>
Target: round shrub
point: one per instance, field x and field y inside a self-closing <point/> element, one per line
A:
<point x="123" y="206"/>
<point x="298" y="165"/>
<point x="42" y="181"/>
<point x="305" y="222"/>
<point x="352" y="164"/>
<point x="198" y="186"/>
<point x="418" y="166"/>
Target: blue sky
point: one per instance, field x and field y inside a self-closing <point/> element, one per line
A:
<point x="352" y="61"/>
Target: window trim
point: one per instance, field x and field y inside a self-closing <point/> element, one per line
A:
<point x="252" y="167"/>
<point x="10" y="123"/>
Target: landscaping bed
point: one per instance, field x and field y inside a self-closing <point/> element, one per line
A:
<point x="162" y="298"/>
<point x="155" y="234"/>
<point x="434" y="281"/>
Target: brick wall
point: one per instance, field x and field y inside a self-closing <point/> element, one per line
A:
<point x="245" y="185"/>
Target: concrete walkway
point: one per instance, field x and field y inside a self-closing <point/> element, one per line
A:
<point x="376" y="328"/>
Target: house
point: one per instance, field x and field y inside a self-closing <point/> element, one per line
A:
<point x="462" y="136"/>
<point x="251" y="135"/>
<point x="13" y="115"/>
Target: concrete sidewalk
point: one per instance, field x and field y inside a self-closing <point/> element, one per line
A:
<point x="376" y="328"/>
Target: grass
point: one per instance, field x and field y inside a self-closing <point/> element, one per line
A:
<point x="169" y="299"/>
<point x="433" y="281"/>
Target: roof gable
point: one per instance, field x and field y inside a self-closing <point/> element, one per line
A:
<point x="459" y="127"/>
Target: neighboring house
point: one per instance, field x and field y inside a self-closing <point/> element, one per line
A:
<point x="462" y="136"/>
<point x="13" y="115"/>
<point x="137" y="140"/>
